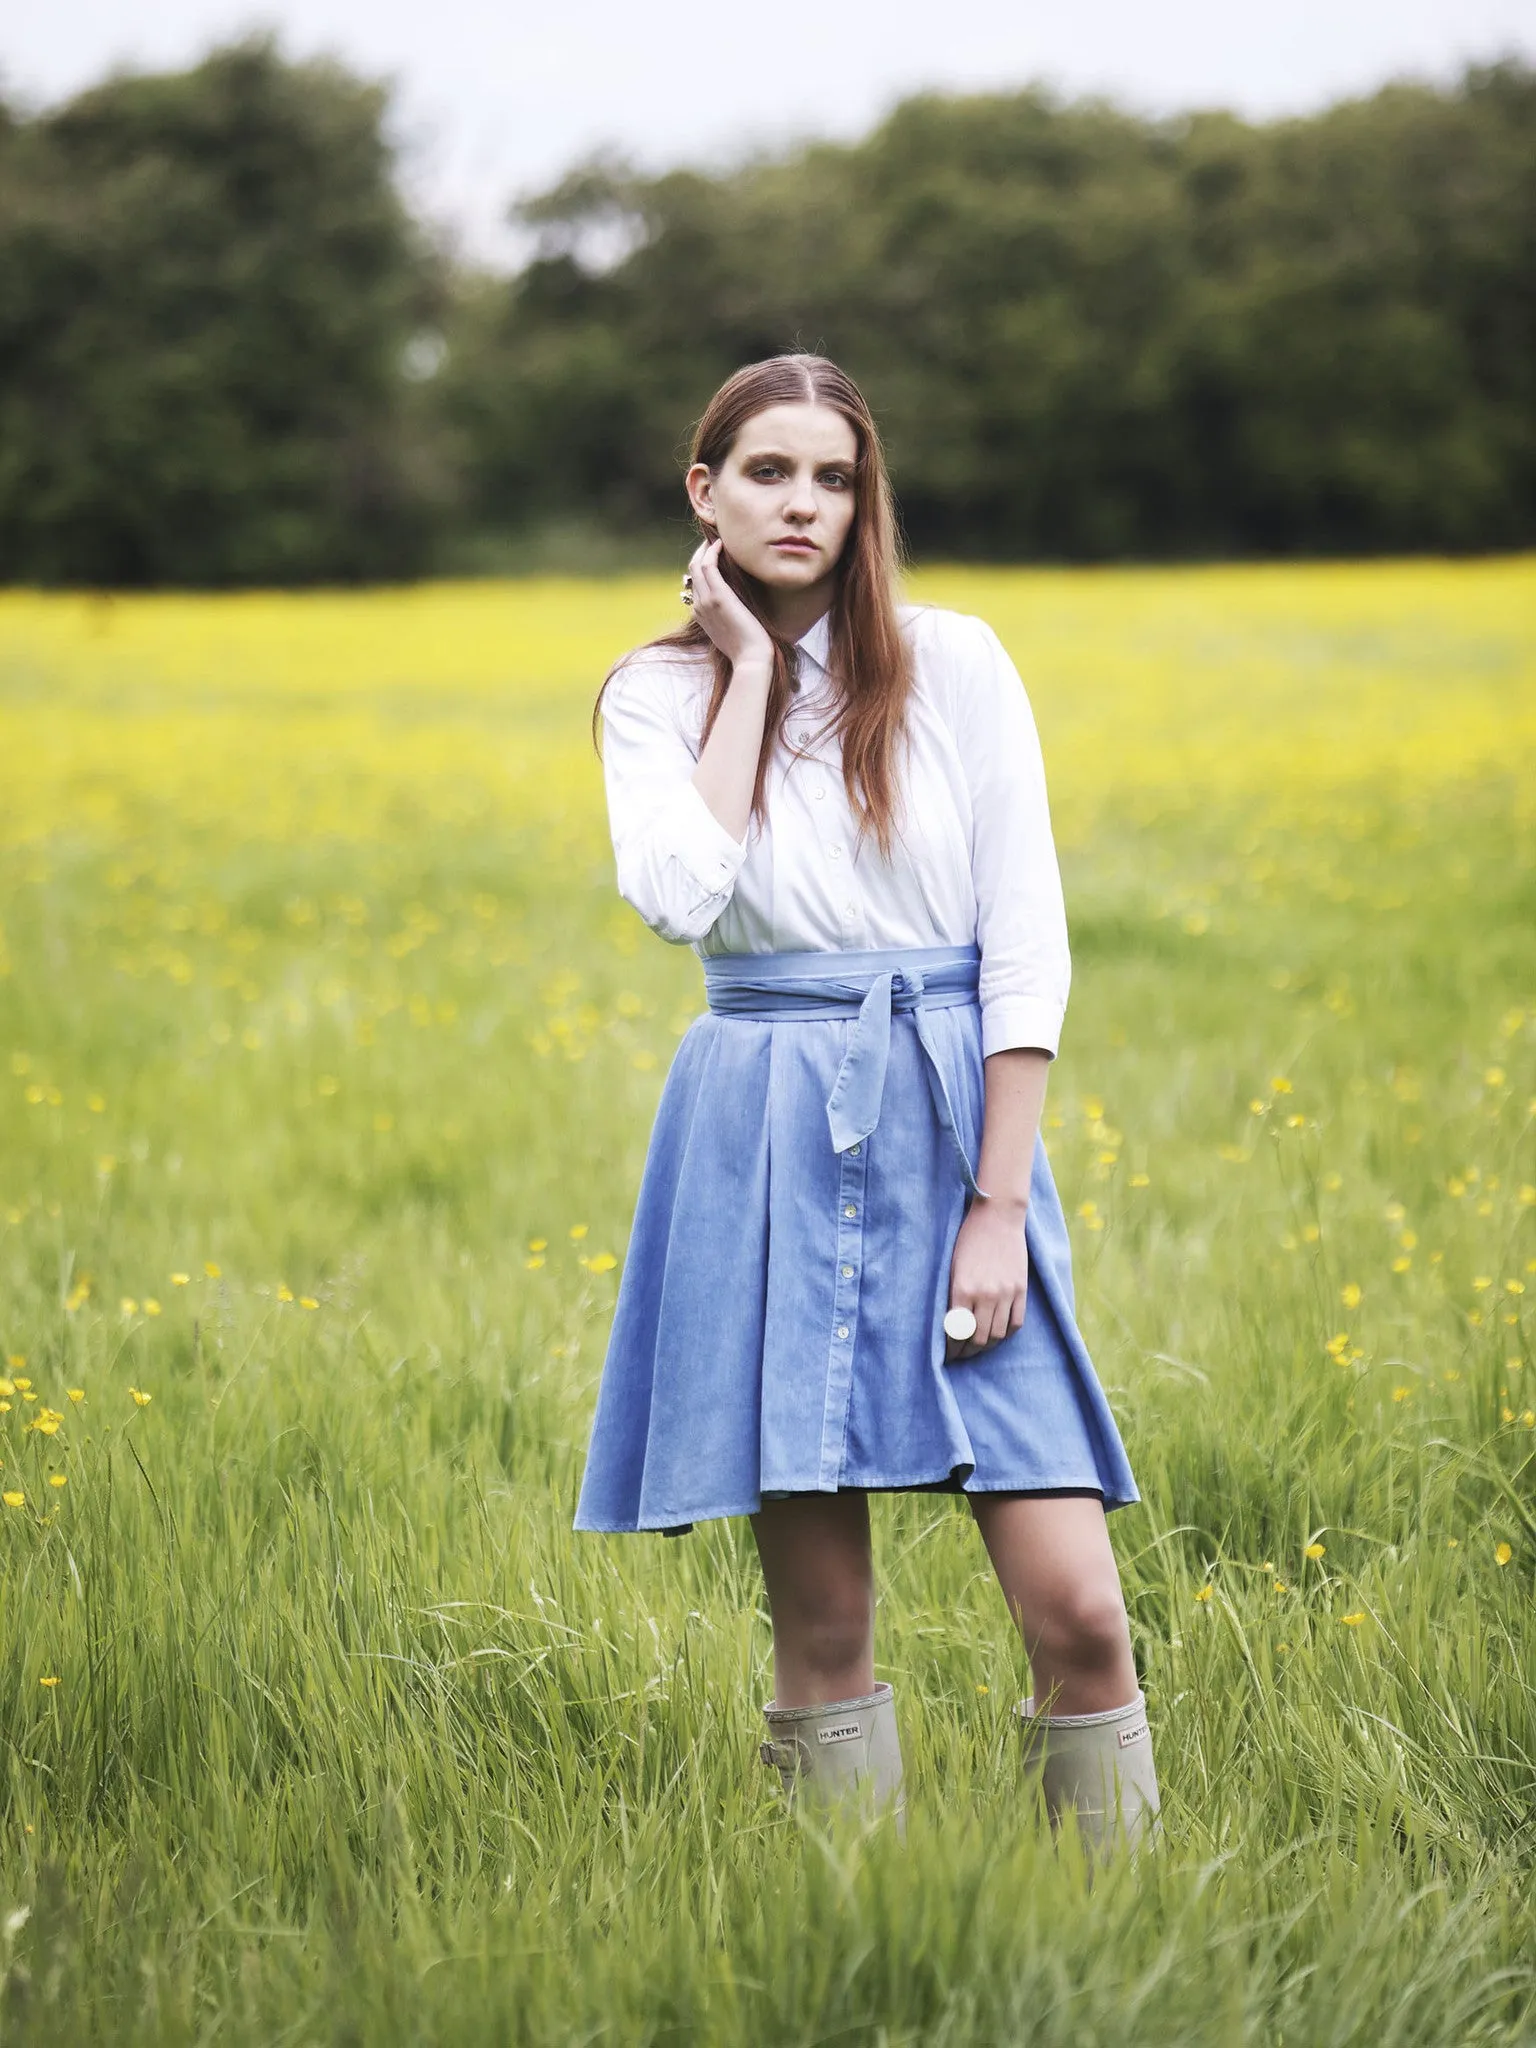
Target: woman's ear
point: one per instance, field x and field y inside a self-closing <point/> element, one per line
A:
<point x="700" y="487"/>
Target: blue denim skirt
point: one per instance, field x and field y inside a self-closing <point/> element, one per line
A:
<point x="779" y="1324"/>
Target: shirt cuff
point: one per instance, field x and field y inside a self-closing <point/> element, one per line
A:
<point x="703" y="846"/>
<point x="1013" y="1021"/>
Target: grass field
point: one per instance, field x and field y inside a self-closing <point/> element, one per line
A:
<point x="327" y="1058"/>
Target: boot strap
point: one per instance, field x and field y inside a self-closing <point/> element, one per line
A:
<point x="784" y="1756"/>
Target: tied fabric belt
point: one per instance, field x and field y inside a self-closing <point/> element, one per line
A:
<point x="868" y="987"/>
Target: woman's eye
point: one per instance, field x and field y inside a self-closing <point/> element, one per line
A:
<point x="838" y="479"/>
<point x="766" y="472"/>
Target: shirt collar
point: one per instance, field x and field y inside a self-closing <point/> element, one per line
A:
<point x="815" y="646"/>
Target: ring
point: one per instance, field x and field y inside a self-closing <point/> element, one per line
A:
<point x="686" y="593"/>
<point x="960" y="1324"/>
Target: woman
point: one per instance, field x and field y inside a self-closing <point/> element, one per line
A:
<point x="849" y="1271"/>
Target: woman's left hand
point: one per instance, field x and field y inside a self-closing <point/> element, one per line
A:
<point x="989" y="1275"/>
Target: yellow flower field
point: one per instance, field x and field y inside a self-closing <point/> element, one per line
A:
<point x="327" y="1057"/>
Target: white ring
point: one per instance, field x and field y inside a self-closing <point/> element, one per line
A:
<point x="960" y="1324"/>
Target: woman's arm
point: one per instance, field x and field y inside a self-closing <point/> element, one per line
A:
<point x="1025" y="973"/>
<point x="679" y="823"/>
<point x="727" y="772"/>
<point x="989" y="1273"/>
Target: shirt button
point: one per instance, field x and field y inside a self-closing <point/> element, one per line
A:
<point x="850" y="1210"/>
<point x="818" y="792"/>
<point x="842" y="1329"/>
<point x="855" y="1150"/>
<point x="847" y="910"/>
<point x="837" y="853"/>
<point x="847" y="1272"/>
<point x="802" y="739"/>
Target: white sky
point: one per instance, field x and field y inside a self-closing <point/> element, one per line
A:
<point x="496" y="99"/>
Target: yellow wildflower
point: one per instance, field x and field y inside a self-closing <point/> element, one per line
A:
<point x="47" y="1681"/>
<point x="1280" y="1086"/>
<point x="1502" y="1553"/>
<point x="58" y="1479"/>
<point x="1352" y="1620"/>
<point x="284" y="1291"/>
<point x="1316" y="1550"/>
<point x="213" y="1271"/>
<point x="77" y="1395"/>
<point x="1205" y="1592"/>
<point x="1350" y="1293"/>
<point x="180" y="1279"/>
<point x="140" y="1399"/>
<point x="578" y="1231"/>
<point x="14" y="1500"/>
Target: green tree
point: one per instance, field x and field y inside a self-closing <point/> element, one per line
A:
<point x="1086" y="335"/>
<point x="207" y="283"/>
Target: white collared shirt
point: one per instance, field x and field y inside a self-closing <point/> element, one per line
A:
<point x="973" y="860"/>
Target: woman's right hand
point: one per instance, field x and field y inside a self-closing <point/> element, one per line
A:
<point x="738" y="633"/>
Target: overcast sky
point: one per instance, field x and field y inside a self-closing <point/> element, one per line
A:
<point x="496" y="99"/>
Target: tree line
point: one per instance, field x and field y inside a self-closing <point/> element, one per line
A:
<point x="229" y="354"/>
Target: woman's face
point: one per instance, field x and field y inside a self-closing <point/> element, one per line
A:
<point x="783" y="500"/>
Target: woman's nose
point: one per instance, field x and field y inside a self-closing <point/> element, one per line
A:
<point x="802" y="500"/>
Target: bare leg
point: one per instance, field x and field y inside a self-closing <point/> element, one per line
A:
<point x="819" y="1571"/>
<point x="1054" y="1563"/>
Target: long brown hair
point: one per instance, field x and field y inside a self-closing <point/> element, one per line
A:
<point x="868" y="661"/>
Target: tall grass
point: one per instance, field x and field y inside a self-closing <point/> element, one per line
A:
<point x="327" y="1058"/>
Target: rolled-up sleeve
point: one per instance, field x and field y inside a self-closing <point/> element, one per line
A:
<point x="1021" y="921"/>
<point x="677" y="864"/>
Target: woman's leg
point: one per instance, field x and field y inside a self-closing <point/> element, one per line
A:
<point x="1054" y="1563"/>
<point x="832" y="1730"/>
<point x="819" y="1571"/>
<point x="1086" y="1739"/>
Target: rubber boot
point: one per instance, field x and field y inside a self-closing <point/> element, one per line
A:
<point x="1100" y="1767"/>
<point x="848" y="1749"/>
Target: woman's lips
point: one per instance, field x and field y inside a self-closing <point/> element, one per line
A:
<point x="796" y="547"/>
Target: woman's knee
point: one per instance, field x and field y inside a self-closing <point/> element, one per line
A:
<point x="1082" y="1627"/>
